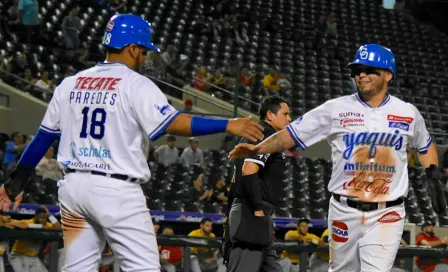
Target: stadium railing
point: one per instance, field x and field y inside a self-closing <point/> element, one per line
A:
<point x="186" y="242"/>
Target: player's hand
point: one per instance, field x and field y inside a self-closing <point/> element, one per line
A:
<point x="246" y="128"/>
<point x="243" y="151"/>
<point x="259" y="213"/>
<point x="6" y="202"/>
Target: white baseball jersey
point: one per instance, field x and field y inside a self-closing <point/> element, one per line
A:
<point x="106" y="115"/>
<point x="368" y="144"/>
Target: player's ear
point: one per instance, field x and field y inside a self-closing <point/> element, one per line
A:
<point x="133" y="51"/>
<point x="389" y="76"/>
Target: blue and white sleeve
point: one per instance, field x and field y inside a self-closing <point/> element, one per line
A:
<point x="422" y="139"/>
<point x="151" y="108"/>
<point x="312" y="127"/>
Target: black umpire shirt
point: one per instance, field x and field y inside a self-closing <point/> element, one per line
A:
<point x="270" y="174"/>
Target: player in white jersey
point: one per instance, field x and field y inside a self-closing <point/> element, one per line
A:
<point x="368" y="132"/>
<point x="105" y="117"/>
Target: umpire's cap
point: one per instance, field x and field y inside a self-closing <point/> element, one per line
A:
<point x="376" y="55"/>
<point x="125" y="29"/>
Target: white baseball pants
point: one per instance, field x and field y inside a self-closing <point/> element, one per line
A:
<point x="95" y="209"/>
<point x="363" y="241"/>
<point x="25" y="263"/>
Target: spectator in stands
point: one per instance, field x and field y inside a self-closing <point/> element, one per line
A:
<point x="48" y="166"/>
<point x="14" y="148"/>
<point x="118" y="6"/>
<point x="270" y="83"/>
<point x="188" y="106"/>
<point x="24" y="253"/>
<point x="292" y="152"/>
<point x="5" y="220"/>
<point x="167" y="154"/>
<point x="219" y="191"/>
<point x="29" y="82"/>
<point x="45" y="84"/>
<point x="200" y="27"/>
<point x="332" y="30"/>
<point x="302" y="236"/>
<point x="171" y="256"/>
<point x="169" y="56"/>
<point x="28" y="16"/>
<point x="412" y="157"/>
<point x="227" y="144"/>
<point x="71" y="25"/>
<point x="154" y="66"/>
<point x="428" y="238"/>
<point x="319" y="261"/>
<point x="156" y="224"/>
<point x="192" y="154"/>
<point x="219" y="79"/>
<point x="197" y="193"/>
<point x="18" y="65"/>
<point x="201" y="79"/>
<point x="177" y="72"/>
<point x="247" y="79"/>
<point x="205" y="259"/>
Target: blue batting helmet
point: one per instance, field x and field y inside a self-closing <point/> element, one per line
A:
<point x="376" y="55"/>
<point x="126" y="29"/>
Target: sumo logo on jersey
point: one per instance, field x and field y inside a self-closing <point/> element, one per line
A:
<point x="339" y="232"/>
<point x="351" y="119"/>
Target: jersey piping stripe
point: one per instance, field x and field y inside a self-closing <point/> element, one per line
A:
<point x="367" y="105"/>
<point x="49" y="130"/>
<point x="295" y="138"/>
<point x="424" y="149"/>
<point x="156" y="132"/>
<point x="255" y="161"/>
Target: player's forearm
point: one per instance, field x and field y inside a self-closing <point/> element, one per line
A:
<point x="434" y="243"/>
<point x="429" y="157"/>
<point x="278" y="142"/>
<point x="187" y="125"/>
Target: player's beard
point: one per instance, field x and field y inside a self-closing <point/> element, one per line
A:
<point x="431" y="233"/>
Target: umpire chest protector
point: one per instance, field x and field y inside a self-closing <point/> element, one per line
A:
<point x="271" y="171"/>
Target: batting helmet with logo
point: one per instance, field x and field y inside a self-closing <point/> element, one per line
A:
<point x="125" y="29"/>
<point x="376" y="55"/>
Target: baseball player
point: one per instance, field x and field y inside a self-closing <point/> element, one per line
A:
<point x="104" y="117"/>
<point x="368" y="133"/>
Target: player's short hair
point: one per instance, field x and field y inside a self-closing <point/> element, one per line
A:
<point x="270" y="103"/>
<point x="111" y="50"/>
<point x="205" y="220"/>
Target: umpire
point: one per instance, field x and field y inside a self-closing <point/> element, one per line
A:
<point x="255" y="193"/>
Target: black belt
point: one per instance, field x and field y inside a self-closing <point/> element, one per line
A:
<point x="367" y="206"/>
<point x="115" y="176"/>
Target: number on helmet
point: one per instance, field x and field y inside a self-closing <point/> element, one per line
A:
<point x="107" y="37"/>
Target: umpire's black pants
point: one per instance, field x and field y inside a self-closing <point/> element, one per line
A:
<point x="247" y="258"/>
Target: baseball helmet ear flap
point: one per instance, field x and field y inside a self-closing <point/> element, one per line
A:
<point x="376" y="55"/>
<point x="125" y="29"/>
